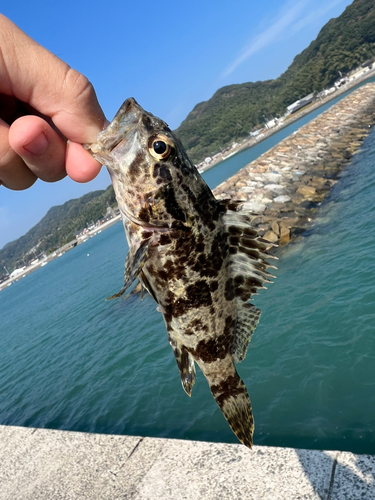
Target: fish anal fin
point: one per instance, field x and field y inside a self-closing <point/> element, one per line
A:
<point x="134" y="263"/>
<point x="234" y="402"/>
<point x="247" y="319"/>
<point x="186" y="365"/>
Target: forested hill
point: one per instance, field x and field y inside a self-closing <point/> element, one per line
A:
<point x="57" y="227"/>
<point x="342" y="45"/>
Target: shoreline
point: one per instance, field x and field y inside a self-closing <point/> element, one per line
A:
<point x="251" y="142"/>
<point x="284" y="186"/>
<point x="59" y="252"/>
<point x="281" y="194"/>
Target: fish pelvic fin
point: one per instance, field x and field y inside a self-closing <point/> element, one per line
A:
<point x="234" y="402"/>
<point x="147" y="286"/>
<point x="134" y="263"/>
<point x="186" y="365"/>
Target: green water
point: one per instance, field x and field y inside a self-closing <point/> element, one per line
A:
<point x="315" y="348"/>
<point x="70" y="360"/>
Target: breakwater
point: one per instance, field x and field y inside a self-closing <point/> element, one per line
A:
<point x="285" y="185"/>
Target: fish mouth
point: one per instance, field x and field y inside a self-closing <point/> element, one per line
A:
<point x="122" y="124"/>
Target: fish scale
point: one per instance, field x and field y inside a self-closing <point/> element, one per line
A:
<point x="198" y="257"/>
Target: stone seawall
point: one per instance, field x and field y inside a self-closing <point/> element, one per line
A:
<point x="284" y="186"/>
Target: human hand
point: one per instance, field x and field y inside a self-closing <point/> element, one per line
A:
<point x="47" y="110"/>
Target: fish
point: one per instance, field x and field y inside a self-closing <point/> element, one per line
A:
<point x="199" y="258"/>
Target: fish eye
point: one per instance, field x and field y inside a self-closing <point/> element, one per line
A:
<point x="160" y="147"/>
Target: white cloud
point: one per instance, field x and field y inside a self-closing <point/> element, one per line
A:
<point x="313" y="16"/>
<point x="289" y="21"/>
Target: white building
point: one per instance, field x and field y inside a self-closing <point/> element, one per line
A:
<point x="300" y="103"/>
<point x="17" y="272"/>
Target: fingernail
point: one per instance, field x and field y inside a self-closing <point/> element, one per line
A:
<point x="38" y="145"/>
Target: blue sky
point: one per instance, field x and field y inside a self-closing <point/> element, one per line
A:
<point x="168" y="55"/>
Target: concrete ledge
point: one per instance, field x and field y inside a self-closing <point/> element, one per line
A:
<point x="42" y="464"/>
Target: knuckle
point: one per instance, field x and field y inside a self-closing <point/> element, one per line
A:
<point x="78" y="86"/>
<point x="14" y="173"/>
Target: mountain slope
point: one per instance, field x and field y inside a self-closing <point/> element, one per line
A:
<point x="57" y="227"/>
<point x="342" y="44"/>
<point x="233" y="111"/>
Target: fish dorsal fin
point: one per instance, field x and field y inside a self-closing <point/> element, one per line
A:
<point x="134" y="263"/>
<point x="248" y="252"/>
<point x="248" y="269"/>
<point x="247" y="320"/>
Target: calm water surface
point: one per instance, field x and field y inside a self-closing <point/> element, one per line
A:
<point x="71" y="360"/>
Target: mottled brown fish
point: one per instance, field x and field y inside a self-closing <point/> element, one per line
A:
<point x="198" y="257"/>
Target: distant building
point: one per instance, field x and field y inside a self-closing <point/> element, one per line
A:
<point x="341" y="81"/>
<point x="17" y="272"/>
<point x="295" y="106"/>
<point x="368" y="64"/>
<point x="271" y="123"/>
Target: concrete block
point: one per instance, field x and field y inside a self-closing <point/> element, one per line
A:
<point x="42" y="464"/>
<point x="209" y="471"/>
<point x="354" y="477"/>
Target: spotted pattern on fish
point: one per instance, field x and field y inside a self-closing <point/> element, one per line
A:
<point x="199" y="258"/>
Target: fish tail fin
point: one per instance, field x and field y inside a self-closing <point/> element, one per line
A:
<point x="234" y="402"/>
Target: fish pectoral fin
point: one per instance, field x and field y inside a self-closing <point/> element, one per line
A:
<point x="247" y="319"/>
<point x="186" y="365"/>
<point x="134" y="263"/>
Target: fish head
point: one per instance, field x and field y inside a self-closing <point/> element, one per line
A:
<point x="148" y="167"/>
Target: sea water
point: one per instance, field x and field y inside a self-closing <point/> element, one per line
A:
<point x="71" y="360"/>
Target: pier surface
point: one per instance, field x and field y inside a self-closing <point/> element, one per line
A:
<point x="285" y="185"/>
<point x="42" y="464"/>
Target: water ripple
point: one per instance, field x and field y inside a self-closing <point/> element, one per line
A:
<point x="71" y="360"/>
